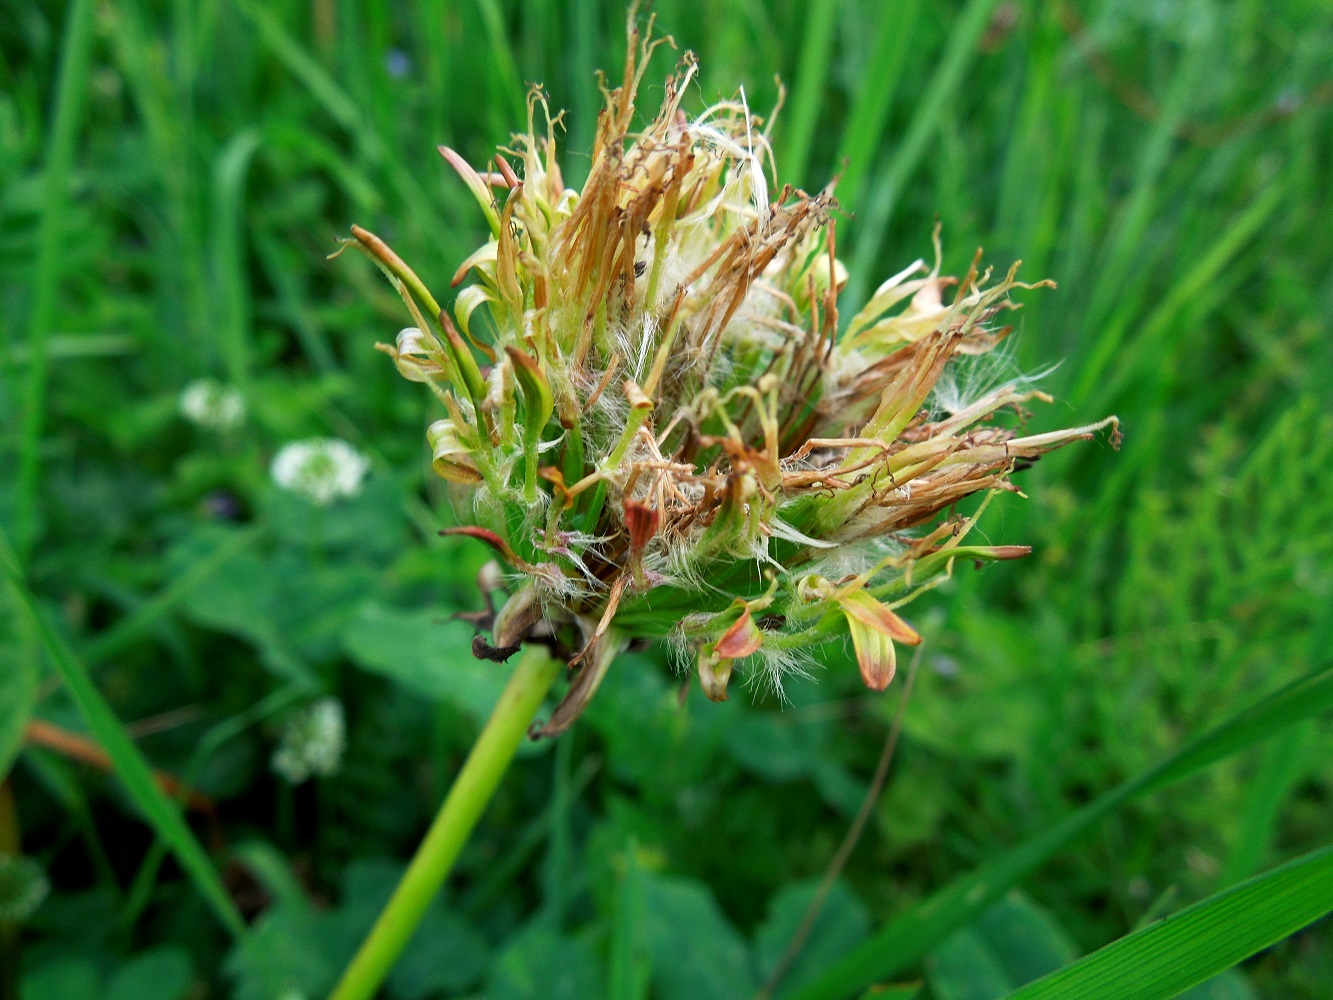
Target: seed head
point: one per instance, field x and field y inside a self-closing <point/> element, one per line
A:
<point x="662" y="431"/>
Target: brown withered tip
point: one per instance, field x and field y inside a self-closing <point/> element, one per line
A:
<point x="641" y="522"/>
<point x="483" y="650"/>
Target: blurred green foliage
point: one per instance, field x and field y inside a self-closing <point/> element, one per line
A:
<point x="1169" y="164"/>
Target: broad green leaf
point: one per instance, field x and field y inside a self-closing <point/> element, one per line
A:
<point x="908" y="937"/>
<point x="127" y="760"/>
<point x="966" y="967"/>
<point x="157" y="974"/>
<point x="293" y="609"/>
<point x="913" y="807"/>
<point x="271" y="869"/>
<point x="445" y="957"/>
<point x="1172" y="955"/>
<point x="1013" y="943"/>
<point x="837" y="785"/>
<point x="286" y="951"/>
<point x="1025" y="938"/>
<point x="73" y="978"/>
<point x="427" y="653"/>
<point x="774" y="747"/>
<point x="1229" y="985"/>
<point x="696" y="953"/>
<point x="542" y="965"/>
<point x="126" y="631"/>
<point x="294" y="946"/>
<point x="650" y="740"/>
<point x="242" y="598"/>
<point x="842" y="924"/>
<point x="371" y="524"/>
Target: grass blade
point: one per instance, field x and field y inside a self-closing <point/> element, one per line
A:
<point x="811" y="76"/>
<point x="343" y="109"/>
<point x="130" y="765"/>
<point x="167" y="114"/>
<point x="910" y="936"/>
<point x="1123" y="254"/>
<point x="508" y="90"/>
<point x="870" y="112"/>
<point x="293" y="302"/>
<point x="1285" y="762"/>
<point x="629" y="966"/>
<point x="581" y="60"/>
<point x="18" y="681"/>
<point x="939" y="91"/>
<point x="70" y="94"/>
<point x="1170" y="956"/>
<point x="140" y="891"/>
<point x="323" y="87"/>
<point x="230" y="276"/>
<point x="130" y="628"/>
<point x="1102" y="377"/>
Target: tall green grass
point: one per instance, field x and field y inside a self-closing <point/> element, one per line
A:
<point x="172" y="176"/>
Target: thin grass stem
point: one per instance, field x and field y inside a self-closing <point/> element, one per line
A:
<point x="70" y="94"/>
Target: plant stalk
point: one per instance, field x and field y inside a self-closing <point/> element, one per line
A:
<point x="472" y="790"/>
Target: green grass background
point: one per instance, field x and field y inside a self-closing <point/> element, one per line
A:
<point x="166" y="215"/>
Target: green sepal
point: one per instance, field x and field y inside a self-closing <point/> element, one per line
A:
<point x="538" y="405"/>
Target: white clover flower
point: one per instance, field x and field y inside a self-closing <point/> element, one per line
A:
<point x="313" y="741"/>
<point x="208" y="403"/>
<point x="320" y="469"/>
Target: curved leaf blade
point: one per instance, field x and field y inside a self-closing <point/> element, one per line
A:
<point x="130" y="765"/>
<point x="907" y="938"/>
<point x="1168" y="957"/>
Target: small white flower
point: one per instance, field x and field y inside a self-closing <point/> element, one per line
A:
<point x="320" y="469"/>
<point x="210" y="404"/>
<point x="313" y="741"/>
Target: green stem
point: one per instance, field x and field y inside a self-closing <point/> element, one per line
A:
<point x="472" y="790"/>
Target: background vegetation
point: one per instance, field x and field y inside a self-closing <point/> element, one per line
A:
<point x="166" y="215"/>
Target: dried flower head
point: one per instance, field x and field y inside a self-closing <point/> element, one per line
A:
<point x="320" y="469"/>
<point x="661" y="427"/>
